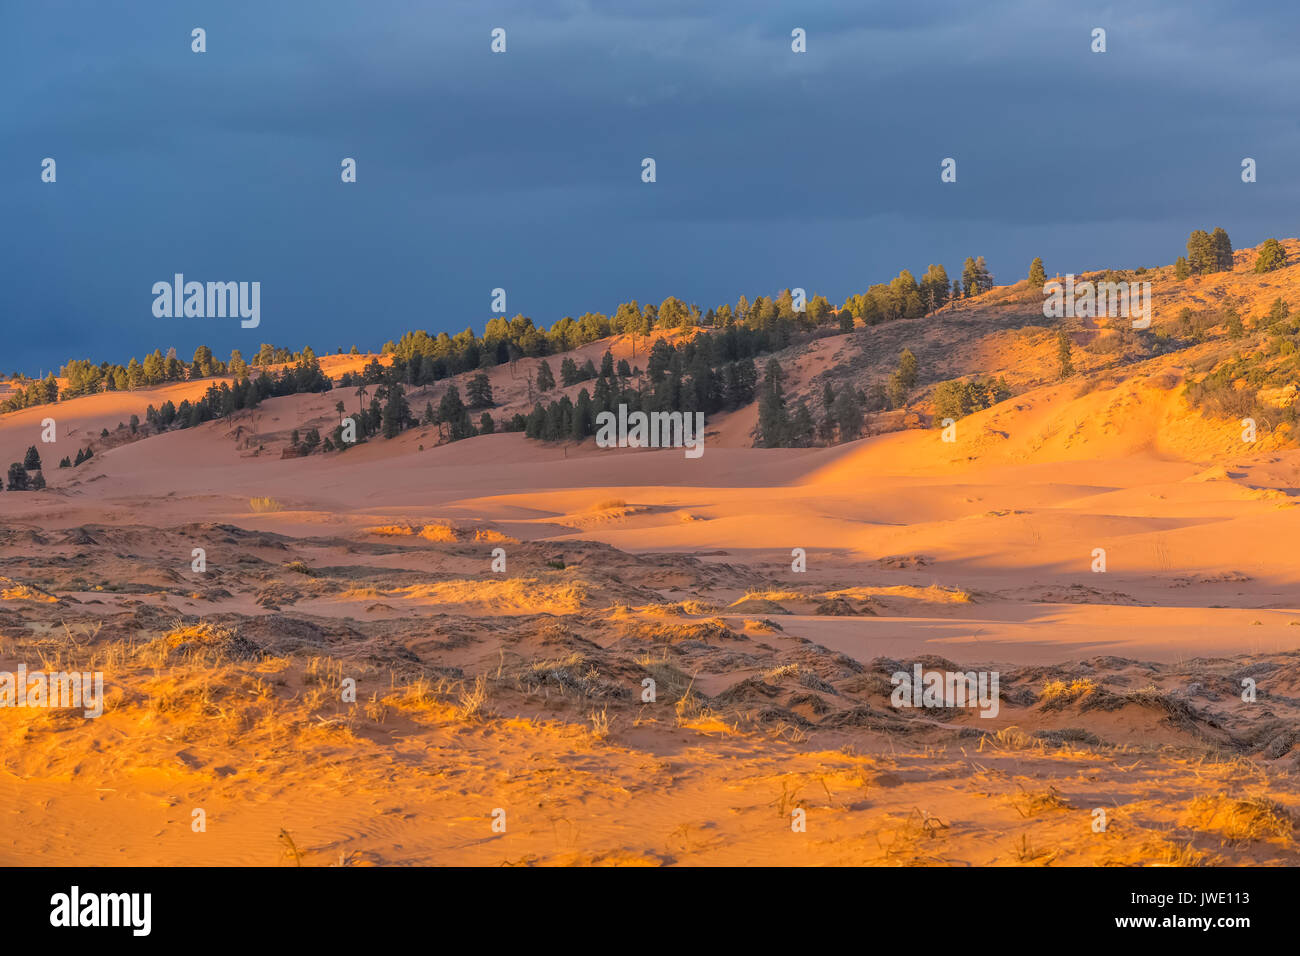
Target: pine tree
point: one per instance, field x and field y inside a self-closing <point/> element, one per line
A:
<point x="18" y="477"/>
<point x="1181" y="269"/>
<point x="847" y="414"/>
<point x="907" y="369"/>
<point x="38" y="482"/>
<point x="453" y="414"/>
<point x="1232" y="322"/>
<point x="32" y="461"/>
<point x="969" y="277"/>
<point x="773" y="423"/>
<point x="1278" y="313"/>
<point x="480" y="391"/>
<point x="1063" y="354"/>
<point x="935" y="288"/>
<point x="569" y="372"/>
<point x="895" y="392"/>
<point x="1200" y="252"/>
<point x="1037" y="276"/>
<point x="396" y="411"/>
<point x="545" y="378"/>
<point x="1271" y="256"/>
<point x="1222" y="250"/>
<point x="802" y="429"/>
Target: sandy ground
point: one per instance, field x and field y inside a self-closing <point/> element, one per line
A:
<point x="521" y="690"/>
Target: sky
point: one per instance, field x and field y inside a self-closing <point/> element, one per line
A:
<point x="522" y="170"/>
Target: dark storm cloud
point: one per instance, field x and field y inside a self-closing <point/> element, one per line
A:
<point x="523" y="170"/>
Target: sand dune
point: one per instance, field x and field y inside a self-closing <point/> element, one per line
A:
<point x="521" y="688"/>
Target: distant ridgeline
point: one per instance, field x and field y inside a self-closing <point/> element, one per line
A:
<point x="428" y="358"/>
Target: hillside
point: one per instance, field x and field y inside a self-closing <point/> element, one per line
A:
<point x="520" y="687"/>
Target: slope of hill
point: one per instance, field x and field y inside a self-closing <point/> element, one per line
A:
<point x="1120" y="558"/>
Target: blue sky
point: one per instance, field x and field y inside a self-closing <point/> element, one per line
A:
<point x="522" y="170"/>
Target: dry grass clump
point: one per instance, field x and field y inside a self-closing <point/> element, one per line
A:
<point x="1058" y="692"/>
<point x="1250" y="819"/>
<point x="783" y="670"/>
<point x="699" y="608"/>
<point x="693" y="713"/>
<point x="671" y="683"/>
<point x="264" y="505"/>
<point x="608" y="504"/>
<point x="573" y="674"/>
<point x="686" y="608"/>
<point x="774" y="596"/>
<point x="930" y="594"/>
<point x="511" y="595"/>
<point x="508" y="596"/>
<point x="390" y="530"/>
<point x="11" y="590"/>
<point x="600" y="721"/>
<point x="203" y="644"/>
<point x="439" y="531"/>
<point x="1162" y="852"/>
<point x="442" y="700"/>
<point x="1030" y="803"/>
<point x="914" y="840"/>
<point x="472" y="700"/>
<point x="1010" y="738"/>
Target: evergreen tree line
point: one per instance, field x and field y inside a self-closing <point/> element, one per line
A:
<point x="707" y="374"/>
<point x="222" y="401"/>
<point x="389" y="412"/>
<point x="84" y="377"/>
<point x="906" y="298"/>
<point x="841" y="416"/>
